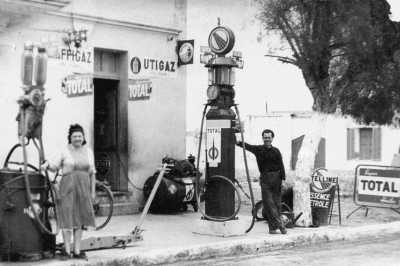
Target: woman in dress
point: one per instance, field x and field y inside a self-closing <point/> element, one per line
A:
<point x="77" y="190"/>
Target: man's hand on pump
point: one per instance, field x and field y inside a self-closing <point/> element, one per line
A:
<point x="237" y="127"/>
<point x="44" y="166"/>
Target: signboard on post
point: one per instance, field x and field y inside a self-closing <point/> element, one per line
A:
<point x="322" y="194"/>
<point x="377" y="186"/>
<point x="322" y="200"/>
<point x="213" y="142"/>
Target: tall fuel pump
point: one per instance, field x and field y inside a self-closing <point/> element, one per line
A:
<point x="25" y="231"/>
<point x="221" y="115"/>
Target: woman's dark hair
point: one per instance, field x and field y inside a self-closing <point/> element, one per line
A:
<point x="76" y="128"/>
<point x="268" y="131"/>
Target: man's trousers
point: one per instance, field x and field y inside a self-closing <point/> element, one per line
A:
<point x="270" y="183"/>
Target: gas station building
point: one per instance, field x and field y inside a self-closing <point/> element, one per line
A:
<point x="112" y="67"/>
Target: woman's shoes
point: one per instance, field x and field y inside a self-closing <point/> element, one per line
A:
<point x="81" y="255"/>
<point x="66" y="256"/>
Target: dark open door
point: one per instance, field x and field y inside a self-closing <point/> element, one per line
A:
<point x="105" y="131"/>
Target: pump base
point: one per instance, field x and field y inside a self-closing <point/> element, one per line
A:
<point x="229" y="228"/>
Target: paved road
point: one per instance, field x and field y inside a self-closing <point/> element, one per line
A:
<point x="374" y="252"/>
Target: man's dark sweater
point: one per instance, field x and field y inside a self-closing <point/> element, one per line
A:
<point x="269" y="159"/>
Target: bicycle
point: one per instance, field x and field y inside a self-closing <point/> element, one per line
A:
<point x="103" y="204"/>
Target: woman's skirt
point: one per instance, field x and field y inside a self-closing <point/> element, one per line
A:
<point x="75" y="208"/>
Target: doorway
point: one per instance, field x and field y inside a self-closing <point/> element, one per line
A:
<point x="106" y="130"/>
<point x="110" y="125"/>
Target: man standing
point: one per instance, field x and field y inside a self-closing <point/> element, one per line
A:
<point x="272" y="172"/>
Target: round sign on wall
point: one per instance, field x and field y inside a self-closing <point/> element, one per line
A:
<point x="186" y="52"/>
<point x="221" y="40"/>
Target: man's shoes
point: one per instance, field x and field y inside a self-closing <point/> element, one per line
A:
<point x="283" y="230"/>
<point x="81" y="255"/>
<point x="65" y="256"/>
<point x="273" y="231"/>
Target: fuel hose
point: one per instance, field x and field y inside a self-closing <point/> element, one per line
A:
<point x="253" y="209"/>
<point x="26" y="177"/>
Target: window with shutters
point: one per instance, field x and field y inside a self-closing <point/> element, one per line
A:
<point x="364" y="143"/>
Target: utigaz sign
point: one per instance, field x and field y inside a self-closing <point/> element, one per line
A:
<point x="377" y="186"/>
<point x="143" y="66"/>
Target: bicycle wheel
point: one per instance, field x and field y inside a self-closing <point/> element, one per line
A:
<point x="103" y="205"/>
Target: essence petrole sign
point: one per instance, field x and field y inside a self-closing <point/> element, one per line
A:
<point x="377" y="186"/>
<point x="322" y="188"/>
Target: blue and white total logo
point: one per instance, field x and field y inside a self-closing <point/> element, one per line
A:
<point x="146" y="66"/>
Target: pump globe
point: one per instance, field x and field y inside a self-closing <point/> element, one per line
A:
<point x="212" y="92"/>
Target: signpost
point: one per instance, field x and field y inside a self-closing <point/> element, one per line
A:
<point x="322" y="195"/>
<point x="376" y="186"/>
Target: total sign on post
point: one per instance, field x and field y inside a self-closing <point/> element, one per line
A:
<point x="377" y="186"/>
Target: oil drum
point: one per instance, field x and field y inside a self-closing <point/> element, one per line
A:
<point x="21" y="238"/>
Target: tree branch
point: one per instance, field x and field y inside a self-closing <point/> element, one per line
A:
<point x="290" y="33"/>
<point x="284" y="59"/>
<point x="295" y="50"/>
<point x="337" y="55"/>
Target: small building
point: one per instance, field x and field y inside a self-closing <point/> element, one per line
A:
<point x="112" y="67"/>
<point x="345" y="144"/>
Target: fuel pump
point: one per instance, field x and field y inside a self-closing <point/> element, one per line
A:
<point x="25" y="230"/>
<point x="221" y="119"/>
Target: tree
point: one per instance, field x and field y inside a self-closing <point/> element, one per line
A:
<point x="344" y="50"/>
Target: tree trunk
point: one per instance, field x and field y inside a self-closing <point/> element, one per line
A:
<point x="304" y="168"/>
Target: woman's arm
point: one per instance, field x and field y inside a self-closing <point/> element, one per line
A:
<point x="53" y="167"/>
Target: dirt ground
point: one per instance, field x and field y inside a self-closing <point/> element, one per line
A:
<point x="374" y="215"/>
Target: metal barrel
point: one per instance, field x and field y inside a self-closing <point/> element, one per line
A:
<point x="21" y="239"/>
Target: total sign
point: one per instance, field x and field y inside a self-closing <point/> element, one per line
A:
<point x="377" y="186"/>
<point x="214" y="128"/>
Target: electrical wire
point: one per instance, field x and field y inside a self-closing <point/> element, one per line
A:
<point x="126" y="173"/>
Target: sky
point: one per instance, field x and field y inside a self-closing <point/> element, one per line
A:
<point x="395" y="9"/>
<point x="264" y="83"/>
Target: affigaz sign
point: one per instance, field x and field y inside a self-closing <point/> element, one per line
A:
<point x="377" y="186"/>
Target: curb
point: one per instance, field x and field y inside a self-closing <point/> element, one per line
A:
<point x="254" y="245"/>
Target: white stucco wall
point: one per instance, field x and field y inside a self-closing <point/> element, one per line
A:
<point x="156" y="127"/>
